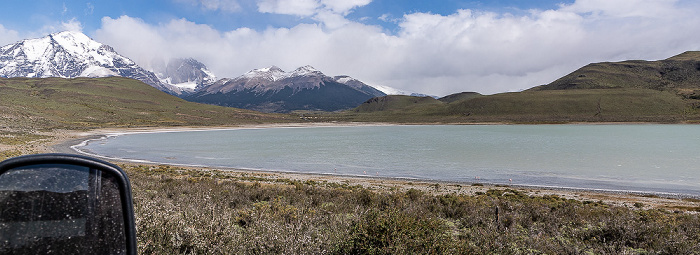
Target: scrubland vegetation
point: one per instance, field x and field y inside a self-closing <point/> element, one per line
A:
<point x="181" y="211"/>
<point x="215" y="212"/>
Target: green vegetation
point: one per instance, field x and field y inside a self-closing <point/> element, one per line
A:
<point x="86" y="103"/>
<point x="541" y="106"/>
<point x="680" y="73"/>
<point x="33" y="110"/>
<point x="213" y="212"/>
<point x="628" y="91"/>
<point x="187" y="211"/>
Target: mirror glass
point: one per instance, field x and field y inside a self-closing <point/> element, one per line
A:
<point x="60" y="209"/>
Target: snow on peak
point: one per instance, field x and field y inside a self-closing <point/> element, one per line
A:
<point x="271" y="73"/>
<point x="274" y="73"/>
<point x="306" y="71"/>
<point x="74" y="53"/>
<point x="184" y="72"/>
<point x="69" y="54"/>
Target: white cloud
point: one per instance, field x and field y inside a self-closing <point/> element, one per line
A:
<point x="468" y="50"/>
<point x="330" y="13"/>
<point x="215" y="5"/>
<point x="134" y="38"/>
<point x="623" y="9"/>
<point x="89" y="9"/>
<point x="53" y="27"/>
<point x="8" y="36"/>
<point x="344" y="6"/>
<point x="302" y="8"/>
<point x="71" y="25"/>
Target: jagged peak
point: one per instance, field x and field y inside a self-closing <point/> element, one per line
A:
<point x="71" y="34"/>
<point x="69" y="54"/>
<point x="72" y="42"/>
<point x="73" y="39"/>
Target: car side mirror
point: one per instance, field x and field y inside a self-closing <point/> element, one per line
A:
<point x="65" y="204"/>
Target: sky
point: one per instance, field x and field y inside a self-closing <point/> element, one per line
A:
<point x="436" y="47"/>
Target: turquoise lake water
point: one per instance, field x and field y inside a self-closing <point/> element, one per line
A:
<point x="637" y="158"/>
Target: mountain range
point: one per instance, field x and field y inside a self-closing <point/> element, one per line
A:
<point x="72" y="54"/>
<point x="274" y="90"/>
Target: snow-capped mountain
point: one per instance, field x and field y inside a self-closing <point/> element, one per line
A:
<point x="270" y="78"/>
<point x="68" y="55"/>
<point x="187" y="74"/>
<point x="273" y="90"/>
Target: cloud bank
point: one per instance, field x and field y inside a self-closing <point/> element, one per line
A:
<point x="468" y="50"/>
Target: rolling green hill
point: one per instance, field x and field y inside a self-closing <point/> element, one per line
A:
<point x="629" y="91"/>
<point x="83" y="103"/>
<point x="680" y="74"/>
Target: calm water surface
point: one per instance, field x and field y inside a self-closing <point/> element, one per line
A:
<point x="646" y="158"/>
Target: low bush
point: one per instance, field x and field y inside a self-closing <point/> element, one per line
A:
<point x="181" y="211"/>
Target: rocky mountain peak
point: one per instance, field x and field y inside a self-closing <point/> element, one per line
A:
<point x="70" y="54"/>
<point x="187" y="74"/>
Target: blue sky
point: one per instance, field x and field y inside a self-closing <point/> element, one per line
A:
<point x="33" y="15"/>
<point x="436" y="47"/>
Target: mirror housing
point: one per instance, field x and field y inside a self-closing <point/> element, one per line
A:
<point x="63" y="203"/>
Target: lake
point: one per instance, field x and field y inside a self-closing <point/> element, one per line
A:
<point x="663" y="159"/>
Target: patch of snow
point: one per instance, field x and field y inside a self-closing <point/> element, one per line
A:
<point x="345" y="80"/>
<point x="34" y="48"/>
<point x="210" y="76"/>
<point x="191" y="85"/>
<point x="272" y="73"/>
<point x="306" y="71"/>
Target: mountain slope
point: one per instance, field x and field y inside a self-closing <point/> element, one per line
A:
<point x="274" y="90"/>
<point x="107" y="102"/>
<point x="628" y="91"/>
<point x="70" y="55"/>
<point x="680" y="73"/>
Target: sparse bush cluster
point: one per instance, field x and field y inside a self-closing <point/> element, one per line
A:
<point x="198" y="212"/>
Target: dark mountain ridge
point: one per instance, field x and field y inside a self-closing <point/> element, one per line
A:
<point x="273" y="90"/>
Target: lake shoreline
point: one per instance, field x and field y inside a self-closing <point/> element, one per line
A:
<point x="619" y="198"/>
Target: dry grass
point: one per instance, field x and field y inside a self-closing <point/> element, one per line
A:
<point x="215" y="212"/>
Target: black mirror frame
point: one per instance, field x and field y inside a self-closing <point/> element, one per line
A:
<point x="72" y="159"/>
